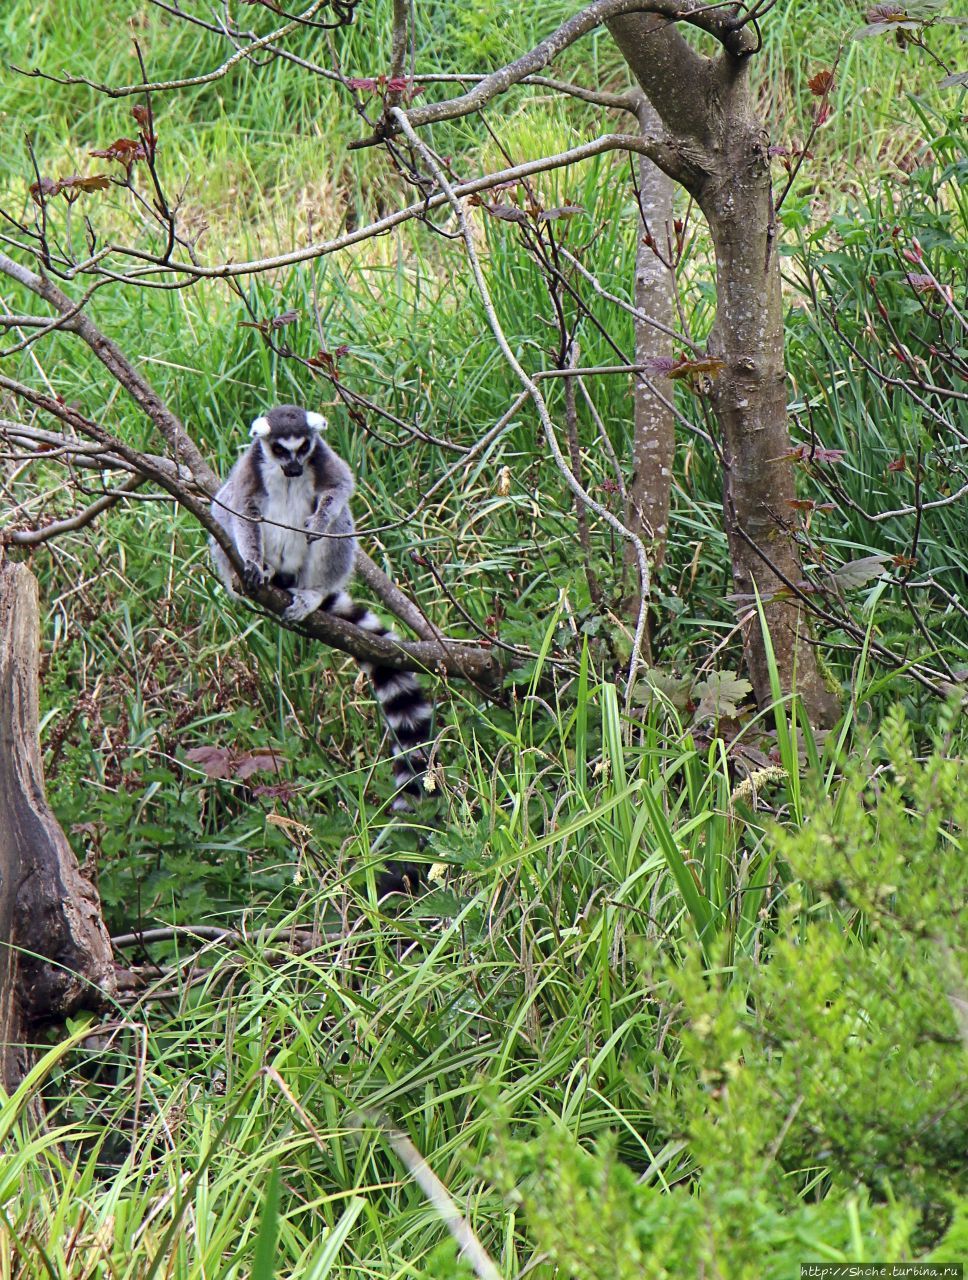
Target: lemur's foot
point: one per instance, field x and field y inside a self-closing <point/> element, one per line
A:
<point x="303" y="604"/>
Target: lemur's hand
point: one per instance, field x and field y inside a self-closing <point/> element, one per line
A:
<point x="254" y="575"/>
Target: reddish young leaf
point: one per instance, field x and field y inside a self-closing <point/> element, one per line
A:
<point x="125" y="150"/>
<point x="42" y="190"/>
<point x="815" y="453"/>
<point x="85" y="182"/>
<point x="220" y="762"/>
<point x="400" y="84"/>
<point x="896" y="22"/>
<point x="74" y="185"/>
<point x="214" y="761"/>
<point x="821" y="84"/>
<point x="506" y="212"/>
<point x="283" y="791"/>
<point x="561" y="211"/>
<point x="686" y="368"/>
<point x="250" y="762"/>
<point x="660" y="366"/>
<point x="328" y="361"/>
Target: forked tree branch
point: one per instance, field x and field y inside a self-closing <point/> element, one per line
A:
<point x="718" y="21"/>
<point x="678" y="81"/>
<point x="183" y="448"/>
<point x="147" y="86"/>
<point x="664" y="152"/>
<point x="443" y="657"/>
<point x="598" y="97"/>
<point x="70" y="524"/>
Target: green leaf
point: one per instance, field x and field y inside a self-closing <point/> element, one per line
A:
<point x="263" y="1261"/>
<point x="720" y="694"/>
<point x="857" y="573"/>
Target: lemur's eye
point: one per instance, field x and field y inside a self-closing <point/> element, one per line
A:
<point x="279" y="450"/>
<point x="303" y="448"/>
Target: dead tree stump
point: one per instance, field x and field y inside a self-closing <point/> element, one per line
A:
<point x="55" y="953"/>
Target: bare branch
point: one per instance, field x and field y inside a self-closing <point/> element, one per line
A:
<point x="188" y="82"/>
<point x="637" y="312"/>
<point x="598" y="97"/>
<point x="399" y="604"/>
<point x="34" y="537"/>
<point x="574" y="453"/>
<point x="183" y="448"/>
<point x="450" y="657"/>
<point x="878" y="517"/>
<point x="665" y="153"/>
<point x="714" y="19"/>
<point x="532" y="388"/>
<point x="83" y="454"/>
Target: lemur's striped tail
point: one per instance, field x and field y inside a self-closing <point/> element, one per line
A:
<point x="404" y="704"/>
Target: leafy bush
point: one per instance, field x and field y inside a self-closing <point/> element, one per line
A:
<point x="817" y="1095"/>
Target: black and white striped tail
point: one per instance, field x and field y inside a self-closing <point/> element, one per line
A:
<point x="404" y="704"/>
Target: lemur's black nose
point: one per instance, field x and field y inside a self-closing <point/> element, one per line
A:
<point x="292" y="469"/>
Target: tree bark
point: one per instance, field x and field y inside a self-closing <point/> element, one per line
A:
<point x="749" y="400"/>
<point x="708" y="107"/>
<point x="56" y="955"/>
<point x="654" y="439"/>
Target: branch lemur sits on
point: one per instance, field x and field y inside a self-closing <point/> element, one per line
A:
<point x="285" y="505"/>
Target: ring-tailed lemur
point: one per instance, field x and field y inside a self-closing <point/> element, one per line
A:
<point x="285" y="505"/>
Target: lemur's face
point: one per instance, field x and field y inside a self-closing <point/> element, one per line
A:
<point x="288" y="452"/>
<point x="287" y="435"/>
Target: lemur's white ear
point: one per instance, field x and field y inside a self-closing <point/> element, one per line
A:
<point x="316" y="421"/>
<point x="260" y="427"/>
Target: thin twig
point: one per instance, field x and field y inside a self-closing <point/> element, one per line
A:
<point x="187" y="82"/>
<point x="534" y="391"/>
<point x="438" y="1196"/>
<point x="34" y="537"/>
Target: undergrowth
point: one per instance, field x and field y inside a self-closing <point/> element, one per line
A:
<point x="686" y="994"/>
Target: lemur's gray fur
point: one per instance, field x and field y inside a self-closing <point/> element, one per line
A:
<point x="285" y="505"/>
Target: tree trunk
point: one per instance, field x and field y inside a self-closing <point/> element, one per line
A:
<point x="57" y="954"/>
<point x="654" y="440"/>
<point x="749" y="400"/>
<point x="709" y="113"/>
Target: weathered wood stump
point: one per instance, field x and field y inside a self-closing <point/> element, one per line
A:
<point x="55" y="954"/>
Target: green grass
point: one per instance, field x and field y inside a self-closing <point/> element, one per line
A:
<point x="533" y="992"/>
<point x="604" y="872"/>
